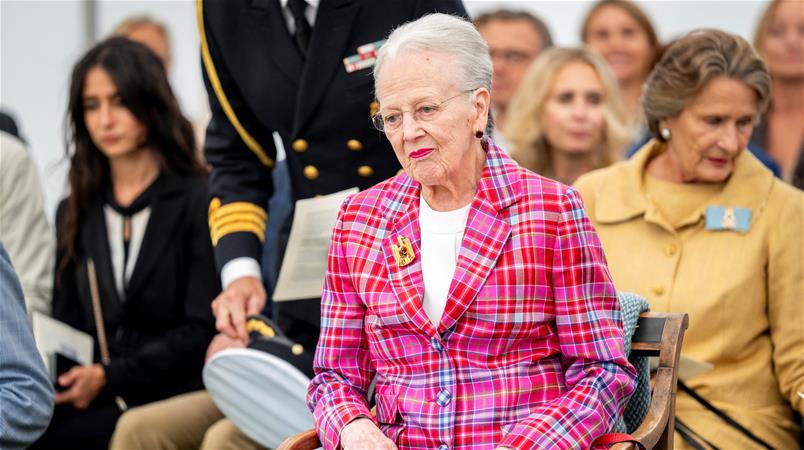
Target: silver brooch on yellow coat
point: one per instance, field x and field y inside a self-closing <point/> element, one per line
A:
<point x="720" y="218"/>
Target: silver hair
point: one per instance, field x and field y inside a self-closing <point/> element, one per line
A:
<point x="450" y="35"/>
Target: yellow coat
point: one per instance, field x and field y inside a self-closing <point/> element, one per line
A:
<point x="744" y="292"/>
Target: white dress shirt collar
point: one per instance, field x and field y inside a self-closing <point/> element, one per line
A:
<point x="310" y="13"/>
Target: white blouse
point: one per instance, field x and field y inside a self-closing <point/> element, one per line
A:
<point x="123" y="267"/>
<point x="441" y="233"/>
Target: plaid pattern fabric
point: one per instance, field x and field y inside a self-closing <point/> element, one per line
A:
<point x="529" y="351"/>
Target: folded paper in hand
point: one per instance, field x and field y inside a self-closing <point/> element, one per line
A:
<point x="54" y="337"/>
<point x="305" y="263"/>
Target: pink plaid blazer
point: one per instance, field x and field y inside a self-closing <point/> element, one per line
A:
<point x="529" y="351"/>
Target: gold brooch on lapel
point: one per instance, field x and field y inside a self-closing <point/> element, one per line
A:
<point x="403" y="253"/>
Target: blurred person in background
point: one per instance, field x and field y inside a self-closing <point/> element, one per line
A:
<point x="23" y="225"/>
<point x="623" y="33"/>
<point x="566" y="118"/>
<point x="697" y="224"/>
<point x="132" y="230"/>
<point x="515" y="39"/>
<point x="9" y="125"/>
<point x="148" y="32"/>
<point x="779" y="39"/>
<point x="798" y="173"/>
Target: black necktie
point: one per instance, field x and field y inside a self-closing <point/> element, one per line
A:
<point x="303" y="29"/>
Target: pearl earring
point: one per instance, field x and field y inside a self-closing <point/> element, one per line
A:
<point x="665" y="132"/>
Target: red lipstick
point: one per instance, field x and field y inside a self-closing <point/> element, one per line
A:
<point x="719" y="162"/>
<point x="420" y="153"/>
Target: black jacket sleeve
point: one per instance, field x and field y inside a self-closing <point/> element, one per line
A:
<point x="239" y="175"/>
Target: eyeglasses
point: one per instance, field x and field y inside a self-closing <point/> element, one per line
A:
<point x="390" y="121"/>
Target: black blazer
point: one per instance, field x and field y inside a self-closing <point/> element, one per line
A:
<point x="159" y="335"/>
<point x="321" y="111"/>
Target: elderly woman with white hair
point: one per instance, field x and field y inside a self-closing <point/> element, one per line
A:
<point x="475" y="291"/>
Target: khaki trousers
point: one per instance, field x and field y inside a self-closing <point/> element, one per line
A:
<point x="189" y="421"/>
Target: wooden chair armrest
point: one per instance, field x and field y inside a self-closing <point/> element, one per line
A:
<point x="653" y="425"/>
<point x="658" y="421"/>
<point x="306" y="440"/>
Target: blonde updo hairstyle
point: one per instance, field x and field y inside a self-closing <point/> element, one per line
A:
<point x="694" y="60"/>
<point x="525" y="130"/>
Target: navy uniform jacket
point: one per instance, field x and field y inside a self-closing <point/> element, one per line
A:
<point x="258" y="82"/>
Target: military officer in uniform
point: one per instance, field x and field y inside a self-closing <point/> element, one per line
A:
<point x="301" y="69"/>
<point x="311" y="82"/>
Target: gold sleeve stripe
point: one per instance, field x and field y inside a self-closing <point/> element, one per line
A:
<point x="212" y="73"/>
<point x="228" y="220"/>
<point x="235" y="217"/>
<point x="220" y="221"/>
<point x="214" y="206"/>
<point x="236" y="228"/>
<point x="217" y="212"/>
<point x="216" y="219"/>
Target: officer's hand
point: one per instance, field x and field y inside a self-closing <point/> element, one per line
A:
<point x="222" y="342"/>
<point x="361" y="433"/>
<point x="244" y="297"/>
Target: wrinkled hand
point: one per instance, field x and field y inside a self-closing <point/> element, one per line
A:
<point x="83" y="384"/>
<point x="361" y="434"/>
<point x="244" y="297"/>
<point x="222" y="342"/>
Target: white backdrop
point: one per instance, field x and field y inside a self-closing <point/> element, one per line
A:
<point x="40" y="41"/>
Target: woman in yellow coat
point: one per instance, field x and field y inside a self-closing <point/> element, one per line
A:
<point x="696" y="224"/>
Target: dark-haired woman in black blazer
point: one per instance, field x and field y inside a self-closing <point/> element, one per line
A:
<point x="133" y="230"/>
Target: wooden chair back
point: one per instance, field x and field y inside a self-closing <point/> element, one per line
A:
<point x="658" y="335"/>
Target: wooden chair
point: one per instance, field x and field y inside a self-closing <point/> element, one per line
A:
<point x="659" y="335"/>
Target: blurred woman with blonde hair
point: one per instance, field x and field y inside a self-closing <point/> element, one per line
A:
<point x="626" y="38"/>
<point x="779" y="40"/>
<point x="566" y="118"/>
